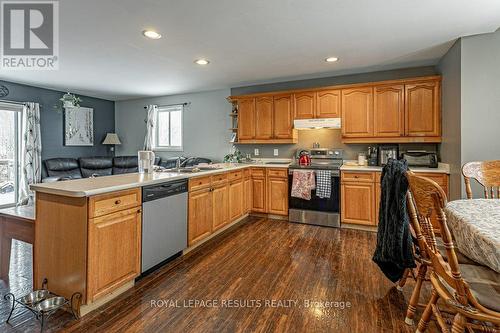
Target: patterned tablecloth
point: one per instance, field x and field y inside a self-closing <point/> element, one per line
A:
<point x="475" y="225"/>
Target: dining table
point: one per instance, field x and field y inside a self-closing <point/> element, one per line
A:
<point x="475" y="226"/>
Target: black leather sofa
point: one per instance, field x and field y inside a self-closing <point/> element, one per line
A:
<point x="70" y="168"/>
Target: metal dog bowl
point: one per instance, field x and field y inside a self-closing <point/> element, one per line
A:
<point x="35" y="297"/>
<point x="51" y="304"/>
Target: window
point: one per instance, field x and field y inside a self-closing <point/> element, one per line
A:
<point x="168" y="131"/>
<point x="10" y="116"/>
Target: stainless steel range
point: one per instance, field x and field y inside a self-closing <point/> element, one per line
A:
<point x="317" y="211"/>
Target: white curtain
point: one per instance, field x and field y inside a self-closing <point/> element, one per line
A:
<point x="31" y="152"/>
<point x="150" y="126"/>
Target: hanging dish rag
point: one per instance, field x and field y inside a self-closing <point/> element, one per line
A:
<point x="324" y="184"/>
<point x="302" y="184"/>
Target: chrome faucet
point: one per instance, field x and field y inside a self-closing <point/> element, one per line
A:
<point x="178" y="164"/>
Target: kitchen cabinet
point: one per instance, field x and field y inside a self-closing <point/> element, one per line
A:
<point x="264" y="117"/>
<point x="305" y="105"/>
<point x="389" y="111"/>
<point x="357" y="112"/>
<point x="357" y="203"/>
<point x="283" y="117"/>
<point x="246" y="118"/>
<point x="277" y="191"/>
<point x="422" y="109"/>
<point x="328" y="104"/>
<point x="236" y="199"/>
<point x="114" y="247"/>
<point x="200" y="215"/>
<point x="247" y="191"/>
<point x="220" y="206"/>
<point x="259" y="203"/>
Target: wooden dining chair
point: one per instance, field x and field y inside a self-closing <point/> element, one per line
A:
<point x="472" y="292"/>
<point x="486" y="173"/>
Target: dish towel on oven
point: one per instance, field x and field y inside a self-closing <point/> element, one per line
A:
<point x="323" y="184"/>
<point x="302" y="184"/>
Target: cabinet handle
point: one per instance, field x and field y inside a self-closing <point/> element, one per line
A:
<point x="139" y="211"/>
<point x="356" y="176"/>
<point x="117" y="202"/>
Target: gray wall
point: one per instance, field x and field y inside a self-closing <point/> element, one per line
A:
<point x="51" y="121"/>
<point x="206" y="124"/>
<point x="480" y="97"/>
<point x="450" y="68"/>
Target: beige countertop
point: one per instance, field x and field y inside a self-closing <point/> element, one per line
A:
<point x="91" y="186"/>
<point x="442" y="168"/>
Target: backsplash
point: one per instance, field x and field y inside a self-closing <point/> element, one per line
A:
<point x="327" y="138"/>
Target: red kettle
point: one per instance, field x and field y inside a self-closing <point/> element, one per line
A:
<point x="304" y="158"/>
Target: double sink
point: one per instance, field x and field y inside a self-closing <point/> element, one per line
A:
<point x="195" y="169"/>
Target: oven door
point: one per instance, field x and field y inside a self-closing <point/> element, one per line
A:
<point x="317" y="211"/>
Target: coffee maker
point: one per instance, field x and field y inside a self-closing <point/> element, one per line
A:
<point x="146" y="161"/>
<point x="372" y="156"/>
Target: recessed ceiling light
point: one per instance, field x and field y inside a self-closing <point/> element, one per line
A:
<point x="151" y="34"/>
<point x="202" y="62"/>
<point x="331" y="59"/>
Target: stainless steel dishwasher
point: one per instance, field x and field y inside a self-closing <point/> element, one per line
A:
<point x="164" y="223"/>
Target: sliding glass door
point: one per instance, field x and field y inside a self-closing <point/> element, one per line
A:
<point x="9" y="156"/>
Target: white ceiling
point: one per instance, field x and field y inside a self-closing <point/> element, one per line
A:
<point x="103" y="54"/>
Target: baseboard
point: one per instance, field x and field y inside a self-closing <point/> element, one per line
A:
<point x="359" y="227"/>
<point x="85" y="309"/>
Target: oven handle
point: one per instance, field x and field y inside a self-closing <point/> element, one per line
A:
<point x="335" y="173"/>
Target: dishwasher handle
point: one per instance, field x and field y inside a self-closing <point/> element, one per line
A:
<point x="159" y="191"/>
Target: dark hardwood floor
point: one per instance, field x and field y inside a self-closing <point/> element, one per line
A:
<point x="239" y="274"/>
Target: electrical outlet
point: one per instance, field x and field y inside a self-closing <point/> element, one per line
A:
<point x="276" y="152"/>
<point x="256" y="151"/>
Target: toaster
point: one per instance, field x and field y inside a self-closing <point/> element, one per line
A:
<point x="421" y="159"/>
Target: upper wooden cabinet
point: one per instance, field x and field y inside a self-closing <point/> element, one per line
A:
<point x="357" y="112"/>
<point x="328" y="104"/>
<point x="283" y="117"/>
<point x="263" y="117"/>
<point x="246" y="118"/>
<point x="389" y="111"/>
<point x="305" y="105"/>
<point x="422" y="111"/>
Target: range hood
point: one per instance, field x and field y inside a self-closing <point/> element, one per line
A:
<point x="316" y="123"/>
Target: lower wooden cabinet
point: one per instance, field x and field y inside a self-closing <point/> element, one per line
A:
<point x="247" y="192"/>
<point x="235" y="199"/>
<point x="114" y="251"/>
<point x="200" y="215"/>
<point x="358" y="203"/>
<point x="220" y="206"/>
<point x="259" y="203"/>
<point x="277" y="193"/>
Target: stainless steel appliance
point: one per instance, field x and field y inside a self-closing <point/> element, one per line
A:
<point x="387" y="152"/>
<point x="421" y="158"/>
<point x="146" y="160"/>
<point x="318" y="211"/>
<point x="164" y="222"/>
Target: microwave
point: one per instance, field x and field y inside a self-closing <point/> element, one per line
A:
<point x="421" y="159"/>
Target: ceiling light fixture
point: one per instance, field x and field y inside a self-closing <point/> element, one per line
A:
<point x="331" y="59"/>
<point x="202" y="62"/>
<point x="151" y="34"/>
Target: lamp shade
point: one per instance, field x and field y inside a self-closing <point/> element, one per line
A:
<point x="111" y="139"/>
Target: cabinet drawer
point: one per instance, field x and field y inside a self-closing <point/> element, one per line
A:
<point x="113" y="202"/>
<point x="258" y="172"/>
<point x="235" y="175"/>
<point x="358" y="176"/>
<point x="440" y="178"/>
<point x="199" y="183"/>
<point x="219" y="179"/>
<point x="246" y="173"/>
<point x="282" y="173"/>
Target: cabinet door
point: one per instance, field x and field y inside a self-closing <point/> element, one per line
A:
<point x="283" y="117"/>
<point x="220" y="206"/>
<point x="328" y="105"/>
<point x="357" y="203"/>
<point x="200" y="215"/>
<point x="259" y="194"/>
<point x="114" y="251"/>
<point x="248" y="195"/>
<point x="422" y="109"/>
<point x="389" y="111"/>
<point x="264" y="118"/>
<point x="277" y="189"/>
<point x="357" y="112"/>
<point x="246" y="119"/>
<point x="377" y="201"/>
<point x="235" y="200"/>
<point x="305" y="105"/>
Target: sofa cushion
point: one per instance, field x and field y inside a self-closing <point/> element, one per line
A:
<point x="125" y="164"/>
<point x="66" y="168"/>
<point x="96" y="166"/>
<point x="171" y="162"/>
